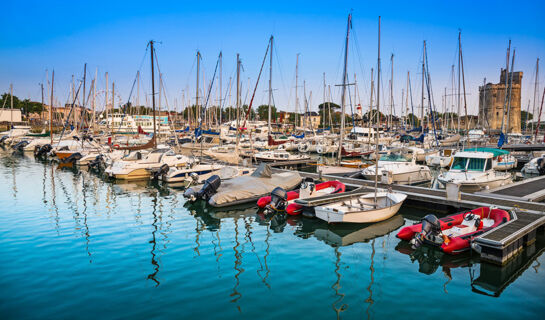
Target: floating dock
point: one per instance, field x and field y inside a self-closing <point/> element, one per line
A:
<point x="502" y="243"/>
<point x="498" y="245"/>
<point x="532" y="189"/>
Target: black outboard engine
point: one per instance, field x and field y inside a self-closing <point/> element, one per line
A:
<point x="20" y="145"/>
<point x="42" y="151"/>
<point x="161" y="171"/>
<point x="97" y="163"/>
<point x="431" y="232"/>
<point x="211" y="185"/>
<point x="3" y="139"/>
<point x="72" y="158"/>
<point x="541" y="166"/>
<point x="279" y="200"/>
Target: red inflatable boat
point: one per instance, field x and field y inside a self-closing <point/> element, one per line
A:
<point x="309" y="190"/>
<point x="454" y="233"/>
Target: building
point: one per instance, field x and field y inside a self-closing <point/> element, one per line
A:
<point x="310" y="119"/>
<point x="492" y="102"/>
<point x="10" y="115"/>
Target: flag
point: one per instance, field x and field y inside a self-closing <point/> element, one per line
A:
<point x="502" y="140"/>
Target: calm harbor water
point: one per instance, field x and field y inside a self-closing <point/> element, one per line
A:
<point x="73" y="245"/>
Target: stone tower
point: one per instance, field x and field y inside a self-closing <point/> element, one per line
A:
<point x="492" y="101"/>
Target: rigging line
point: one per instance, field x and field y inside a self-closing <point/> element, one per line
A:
<point x="412" y="106"/>
<point x="70" y="113"/>
<point x="356" y="45"/>
<point x="430" y="96"/>
<point x="280" y="68"/>
<point x="203" y="111"/>
<point x="256" y="84"/>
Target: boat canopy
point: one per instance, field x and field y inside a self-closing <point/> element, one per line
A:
<point x="494" y="151"/>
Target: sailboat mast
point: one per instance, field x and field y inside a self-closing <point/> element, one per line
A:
<point x="42" y="90"/>
<point x="238" y="100"/>
<point x="11" y="103"/>
<point x="536" y="90"/>
<point x="270" y="82"/>
<point x="510" y="88"/>
<point x="506" y="79"/>
<point x="369" y="115"/>
<point x="343" y="95"/>
<point x="323" y="106"/>
<point x="153" y="95"/>
<point x="197" y="113"/>
<point x="296" y="87"/>
<point x="391" y="91"/>
<point x="378" y="113"/>
<point x="51" y="109"/>
<point x="221" y="88"/>
<point x="463" y="79"/>
<point x="106" y="103"/>
<point x="422" y="97"/>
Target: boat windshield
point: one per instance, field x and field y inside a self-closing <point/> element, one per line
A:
<point x="459" y="163"/>
<point x="471" y="164"/>
<point x="396" y="157"/>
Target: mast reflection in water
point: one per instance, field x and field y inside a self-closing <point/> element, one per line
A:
<point x="154" y="256"/>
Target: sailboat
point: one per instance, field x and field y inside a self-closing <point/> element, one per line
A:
<point x="369" y="206"/>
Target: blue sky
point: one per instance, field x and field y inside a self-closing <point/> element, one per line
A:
<point x="112" y="36"/>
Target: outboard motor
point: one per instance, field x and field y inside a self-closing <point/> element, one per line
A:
<point x="541" y="166"/>
<point x="72" y="158"/>
<point x="20" y="145"/>
<point x="307" y="188"/>
<point x="431" y="232"/>
<point x="279" y="200"/>
<point x="3" y="139"/>
<point x="42" y="151"/>
<point x="161" y="171"/>
<point x="211" y="185"/>
<point x="97" y="163"/>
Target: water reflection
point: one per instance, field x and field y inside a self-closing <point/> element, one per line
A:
<point x="494" y="279"/>
<point x="153" y="241"/>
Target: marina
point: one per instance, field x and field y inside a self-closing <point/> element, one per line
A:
<point x="191" y="172"/>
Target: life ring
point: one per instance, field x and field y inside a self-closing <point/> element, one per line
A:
<point x="500" y="159"/>
<point x="116" y="146"/>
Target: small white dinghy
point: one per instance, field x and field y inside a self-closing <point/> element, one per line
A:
<point x="362" y="208"/>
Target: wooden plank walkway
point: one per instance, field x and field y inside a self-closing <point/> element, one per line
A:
<point x="532" y="189"/>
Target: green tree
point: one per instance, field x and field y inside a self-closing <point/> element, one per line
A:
<point x="25" y="105"/>
<point x="263" y="112"/>
<point x="525" y="118"/>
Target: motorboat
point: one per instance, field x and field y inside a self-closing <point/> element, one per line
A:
<point x="142" y="169"/>
<point x="502" y="160"/>
<point x="278" y="155"/>
<point x="362" y="208"/>
<point x="399" y="166"/>
<point x="441" y="160"/>
<point x="280" y="200"/>
<point x="536" y="166"/>
<point x="244" y="189"/>
<point x="196" y="173"/>
<point x="454" y="233"/>
<point x="473" y="171"/>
